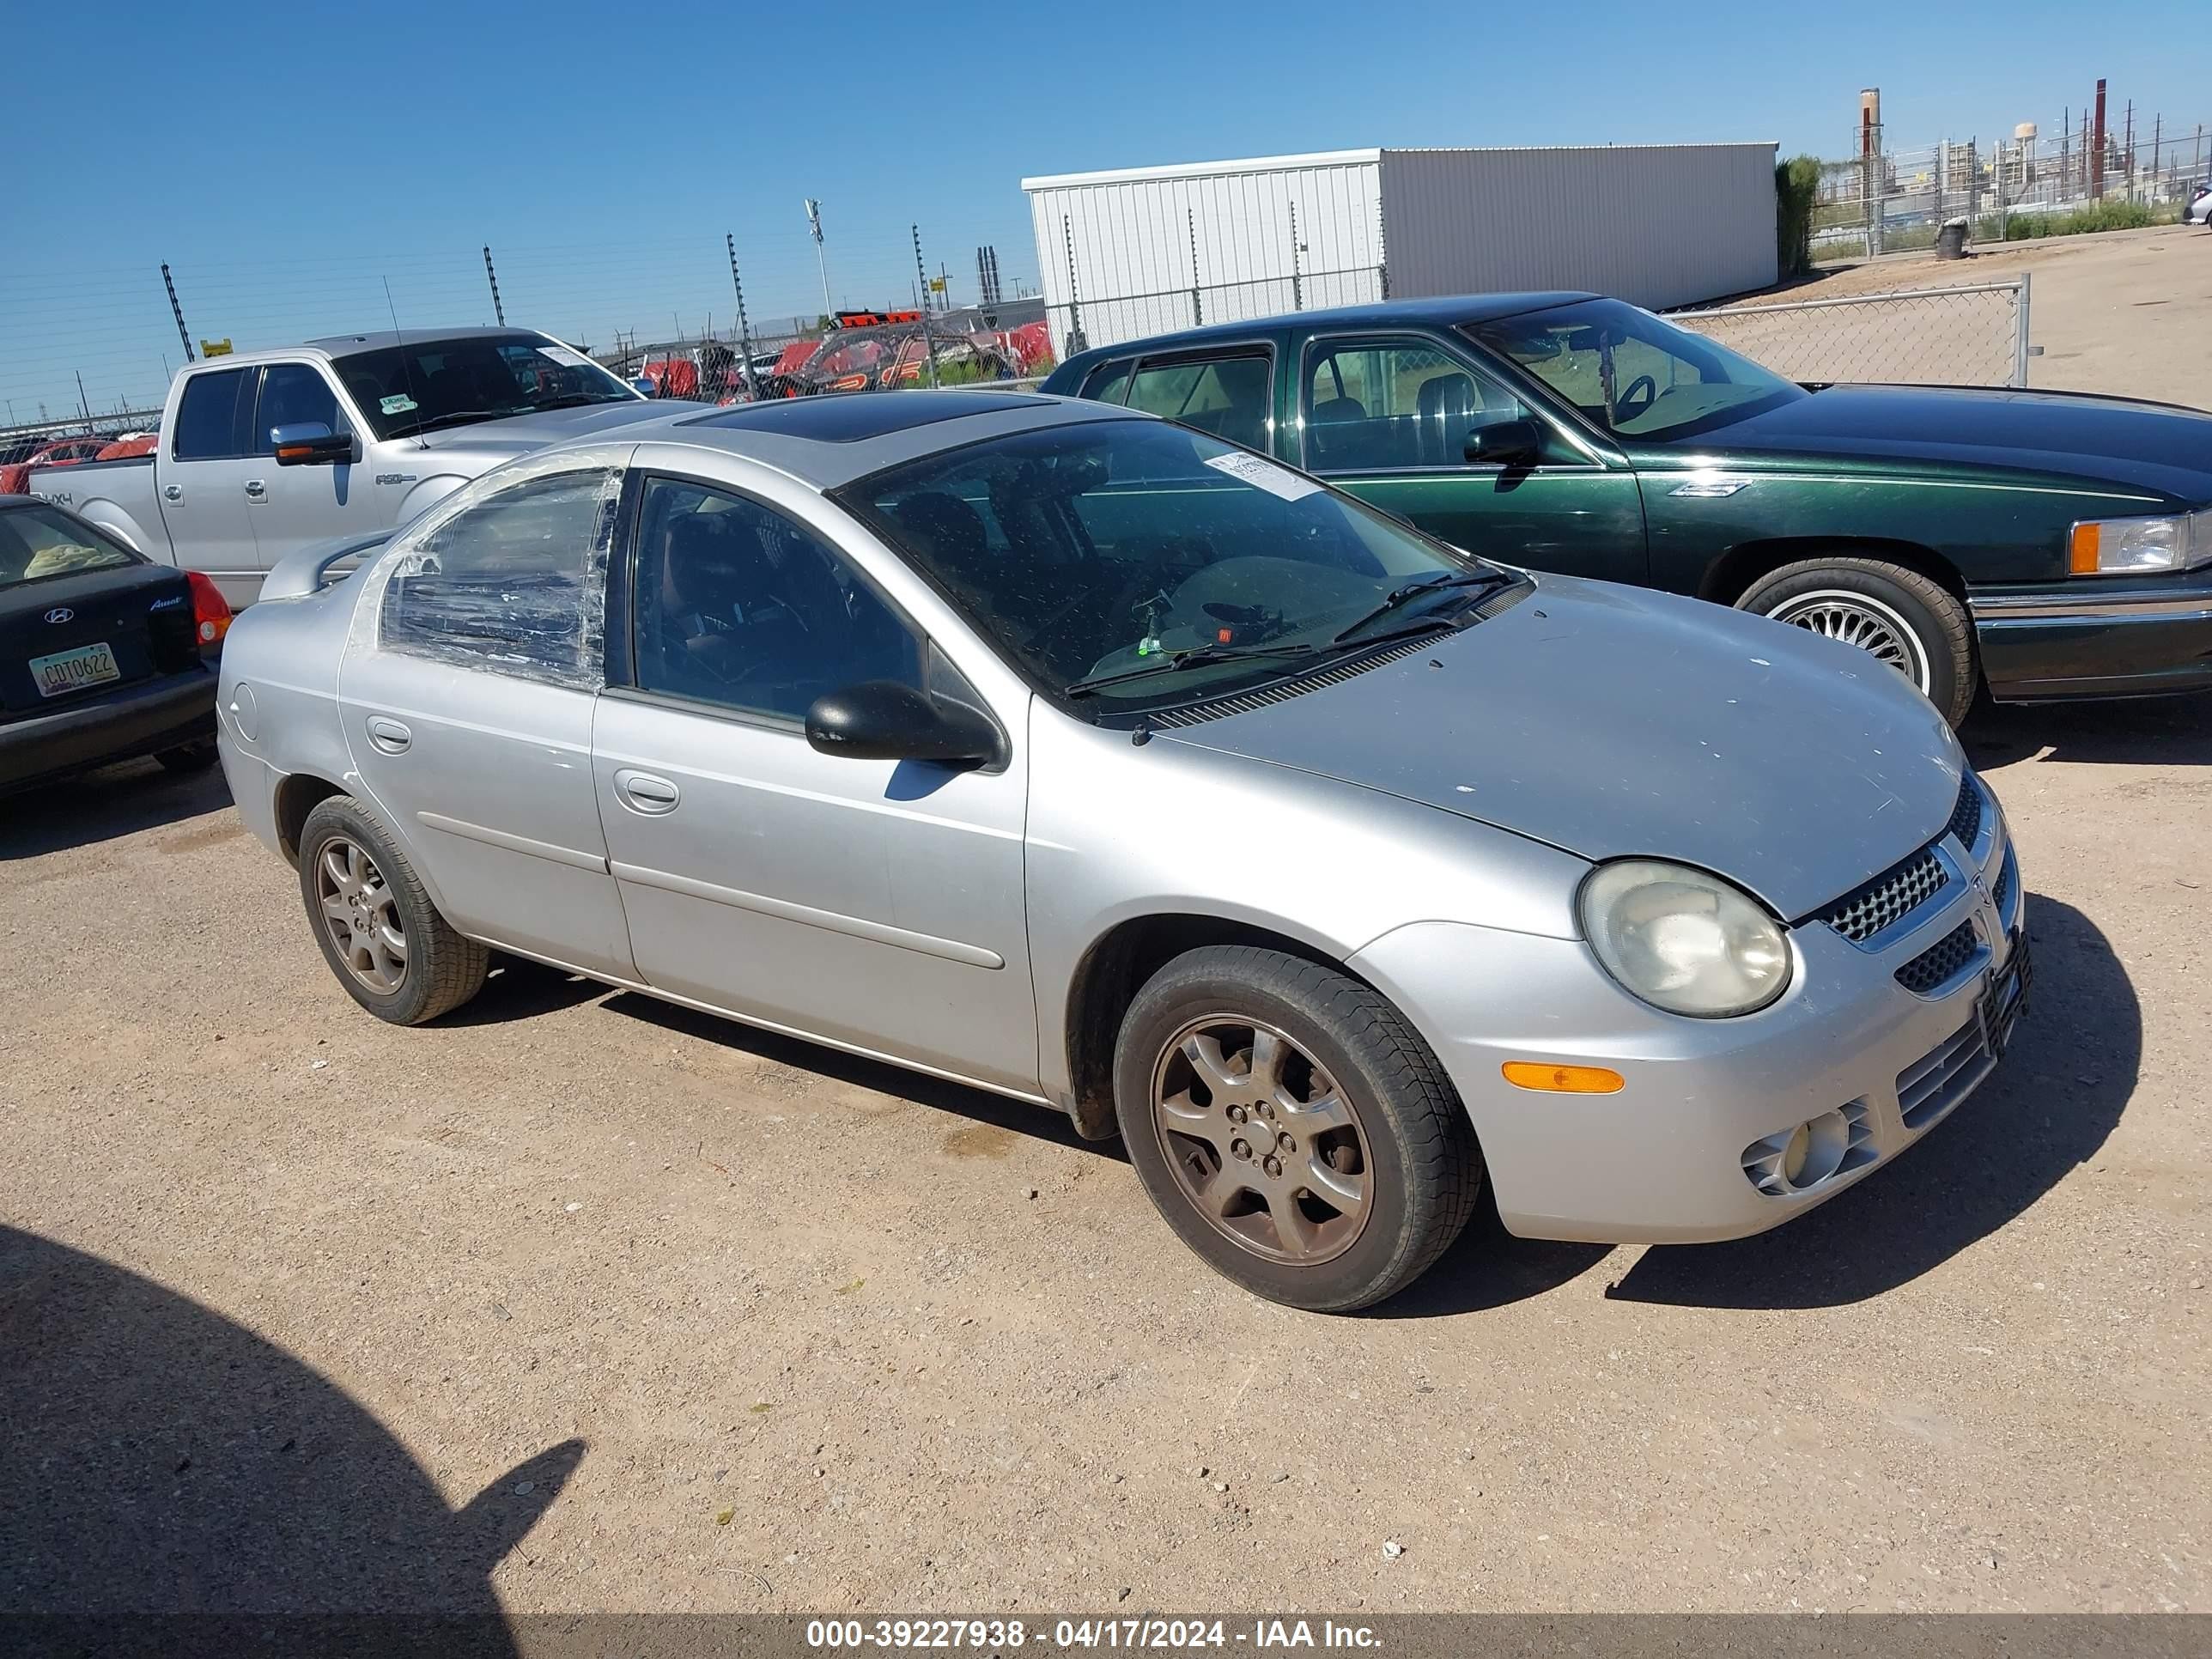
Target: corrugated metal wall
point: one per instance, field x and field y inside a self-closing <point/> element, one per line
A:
<point x="1131" y="240"/>
<point x="1660" y="225"/>
<point x="1657" y="225"/>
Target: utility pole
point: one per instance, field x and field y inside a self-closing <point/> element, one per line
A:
<point x="177" y="311"/>
<point x="2128" y="150"/>
<point x="745" y="329"/>
<point x="2097" y="149"/>
<point x="821" y="265"/>
<point x="928" y="346"/>
<point x="498" y="310"/>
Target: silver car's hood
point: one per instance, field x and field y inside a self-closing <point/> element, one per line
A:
<point x="1616" y="722"/>
<point x="499" y="440"/>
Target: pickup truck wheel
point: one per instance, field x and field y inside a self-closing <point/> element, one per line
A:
<point x="395" y="955"/>
<point x="189" y="757"/>
<point x="1292" y="1128"/>
<point x="1893" y="613"/>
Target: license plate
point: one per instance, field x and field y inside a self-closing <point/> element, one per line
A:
<point x="2006" y="997"/>
<point x="73" y="670"/>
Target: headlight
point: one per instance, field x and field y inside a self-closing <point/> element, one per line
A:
<point x="2124" y="547"/>
<point x="1683" y="940"/>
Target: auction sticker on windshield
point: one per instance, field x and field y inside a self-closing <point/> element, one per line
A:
<point x="399" y="403"/>
<point x="1254" y="470"/>
<point x="73" y="670"/>
<point x="565" y="358"/>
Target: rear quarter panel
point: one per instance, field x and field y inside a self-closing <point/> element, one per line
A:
<point x="277" y="709"/>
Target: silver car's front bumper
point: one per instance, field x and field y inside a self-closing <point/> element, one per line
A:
<point x="1674" y="1157"/>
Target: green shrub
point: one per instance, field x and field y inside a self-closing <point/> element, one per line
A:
<point x="1796" y="183"/>
<point x="2078" y="221"/>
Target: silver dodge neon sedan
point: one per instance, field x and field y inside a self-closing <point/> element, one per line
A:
<point x="1085" y="757"/>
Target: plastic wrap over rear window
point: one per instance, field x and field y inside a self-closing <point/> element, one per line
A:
<point x="513" y="579"/>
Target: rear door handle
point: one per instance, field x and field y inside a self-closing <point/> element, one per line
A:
<point x="644" y="792"/>
<point x="389" y="735"/>
<point x="256" y="490"/>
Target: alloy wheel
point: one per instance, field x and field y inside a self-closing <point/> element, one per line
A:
<point x="1860" y="620"/>
<point x="1262" y="1142"/>
<point x="362" y="914"/>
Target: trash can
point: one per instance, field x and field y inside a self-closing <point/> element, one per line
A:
<point x="1951" y="239"/>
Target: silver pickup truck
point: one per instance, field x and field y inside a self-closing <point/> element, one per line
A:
<point x="263" y="452"/>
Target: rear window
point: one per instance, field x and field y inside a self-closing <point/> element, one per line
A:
<point x="37" y="542"/>
<point x="208" y="427"/>
<point x="515" y="582"/>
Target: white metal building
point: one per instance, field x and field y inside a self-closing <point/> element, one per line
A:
<point x="1147" y="250"/>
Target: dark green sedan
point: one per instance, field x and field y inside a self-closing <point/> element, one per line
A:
<point x="2042" y="544"/>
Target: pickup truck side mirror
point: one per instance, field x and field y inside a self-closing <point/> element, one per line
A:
<point x="310" y="443"/>
<point x="1508" y="443"/>
<point x="883" y="719"/>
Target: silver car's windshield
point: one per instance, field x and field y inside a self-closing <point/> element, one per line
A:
<point x="1634" y="374"/>
<point x="1129" y="563"/>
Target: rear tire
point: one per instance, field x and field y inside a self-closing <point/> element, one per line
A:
<point x="195" y="757"/>
<point x="395" y="955"/>
<point x="1329" y="1163"/>
<point x="1899" y="615"/>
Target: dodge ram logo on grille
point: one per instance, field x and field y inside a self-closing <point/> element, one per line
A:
<point x="60" y="613"/>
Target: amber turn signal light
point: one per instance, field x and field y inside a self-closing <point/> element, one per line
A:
<point x="2081" y="551"/>
<point x="1563" y="1079"/>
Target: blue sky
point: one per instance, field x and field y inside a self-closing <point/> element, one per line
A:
<point x="287" y="161"/>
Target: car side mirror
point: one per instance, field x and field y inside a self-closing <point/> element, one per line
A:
<point x="1505" y="443"/>
<point x="883" y="719"/>
<point x="310" y="443"/>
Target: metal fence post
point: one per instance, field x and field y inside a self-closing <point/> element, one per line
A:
<point x="2019" y="345"/>
<point x="1197" y="305"/>
<point x="1297" y="282"/>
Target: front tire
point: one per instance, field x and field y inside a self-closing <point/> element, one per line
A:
<point x="395" y="955"/>
<point x="1899" y="616"/>
<point x="1292" y="1128"/>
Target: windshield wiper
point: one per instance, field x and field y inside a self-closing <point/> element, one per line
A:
<point x="458" y="418"/>
<point x="1196" y="656"/>
<point x="576" y="399"/>
<point x="1413" y="590"/>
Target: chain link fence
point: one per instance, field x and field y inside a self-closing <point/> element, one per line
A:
<point x="1973" y="335"/>
<point x="1896" y="200"/>
<point x="1085" y="322"/>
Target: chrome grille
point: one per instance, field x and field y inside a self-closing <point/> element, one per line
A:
<point x="1940" y="961"/>
<point x="1967" y="817"/>
<point x="1888" y="898"/>
<point x="1943" y="1077"/>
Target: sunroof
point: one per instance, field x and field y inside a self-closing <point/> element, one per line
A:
<point x="844" y="418"/>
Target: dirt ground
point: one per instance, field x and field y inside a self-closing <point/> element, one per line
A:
<point x="2128" y="313"/>
<point x="585" y="1302"/>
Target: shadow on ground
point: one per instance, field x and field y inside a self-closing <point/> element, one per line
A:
<point x="2050" y="1106"/>
<point x="957" y="1099"/>
<point x="2148" y="732"/>
<point x="114" y="801"/>
<point x="157" y="1458"/>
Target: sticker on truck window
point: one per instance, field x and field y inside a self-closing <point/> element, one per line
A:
<point x="398" y="403"/>
<point x="1275" y="480"/>
<point x="566" y="358"/>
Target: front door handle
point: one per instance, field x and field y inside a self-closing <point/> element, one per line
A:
<point x="389" y="735"/>
<point x="644" y="792"/>
<point x="256" y="490"/>
<point x="174" y="493"/>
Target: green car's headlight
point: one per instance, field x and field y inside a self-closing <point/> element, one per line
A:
<point x="2139" y="546"/>
<point x="1683" y="940"/>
